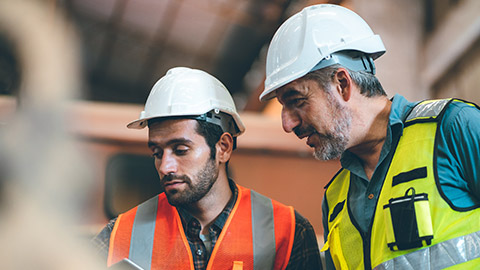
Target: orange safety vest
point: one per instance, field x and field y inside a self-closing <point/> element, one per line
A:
<point x="258" y="234"/>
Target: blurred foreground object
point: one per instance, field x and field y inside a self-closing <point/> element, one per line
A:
<point x="42" y="174"/>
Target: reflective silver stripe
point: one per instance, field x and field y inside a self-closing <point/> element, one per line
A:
<point x="430" y="109"/>
<point x="263" y="229"/>
<point x="323" y="260"/>
<point x="141" y="243"/>
<point x="445" y="254"/>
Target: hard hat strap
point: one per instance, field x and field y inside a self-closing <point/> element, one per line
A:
<point x="224" y="120"/>
<point x="216" y="117"/>
<point x="353" y="60"/>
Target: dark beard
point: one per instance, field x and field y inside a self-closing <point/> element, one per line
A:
<point x="194" y="192"/>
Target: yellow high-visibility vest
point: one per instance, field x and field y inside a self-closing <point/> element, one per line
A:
<point x="413" y="226"/>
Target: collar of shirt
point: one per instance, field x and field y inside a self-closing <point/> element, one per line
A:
<point x="192" y="226"/>
<point x="398" y="112"/>
<point x="188" y="220"/>
<point x="192" y="229"/>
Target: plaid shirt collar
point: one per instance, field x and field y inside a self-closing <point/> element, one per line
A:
<point x="219" y="222"/>
<point x="192" y="230"/>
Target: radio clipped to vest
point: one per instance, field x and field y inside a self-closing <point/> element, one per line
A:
<point x="408" y="221"/>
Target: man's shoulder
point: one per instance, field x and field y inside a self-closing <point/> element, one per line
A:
<point x="460" y="115"/>
<point x="463" y="108"/>
<point x="299" y="219"/>
<point x="302" y="222"/>
<point x="101" y="241"/>
<point x="256" y="193"/>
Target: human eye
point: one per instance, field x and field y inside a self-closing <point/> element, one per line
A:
<point x="180" y="150"/>
<point x="157" y="154"/>
<point x="296" y="102"/>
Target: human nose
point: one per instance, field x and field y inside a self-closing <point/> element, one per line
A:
<point x="290" y="120"/>
<point x="166" y="165"/>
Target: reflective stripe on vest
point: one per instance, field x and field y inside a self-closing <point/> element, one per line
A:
<point x="445" y="254"/>
<point x="263" y="232"/>
<point x="427" y="109"/>
<point x="271" y="236"/>
<point x="141" y="244"/>
<point x="412" y="169"/>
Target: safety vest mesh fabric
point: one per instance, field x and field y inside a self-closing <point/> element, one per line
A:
<point x="159" y="232"/>
<point x="258" y="234"/>
<point x="343" y="238"/>
<point x="454" y="232"/>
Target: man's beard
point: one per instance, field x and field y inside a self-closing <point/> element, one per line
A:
<point x="194" y="192"/>
<point x="333" y="144"/>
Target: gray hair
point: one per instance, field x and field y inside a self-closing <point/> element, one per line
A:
<point x="369" y="84"/>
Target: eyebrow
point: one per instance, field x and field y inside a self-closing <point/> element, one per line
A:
<point x="290" y="92"/>
<point x="171" y="142"/>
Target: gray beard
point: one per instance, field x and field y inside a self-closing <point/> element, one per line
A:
<point x="335" y="143"/>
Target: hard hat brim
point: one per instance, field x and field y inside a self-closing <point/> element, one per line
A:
<point x="138" y="124"/>
<point x="142" y="123"/>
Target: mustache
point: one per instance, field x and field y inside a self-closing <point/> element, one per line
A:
<point x="172" y="176"/>
<point x="301" y="131"/>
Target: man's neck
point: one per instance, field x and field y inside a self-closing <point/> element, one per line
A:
<point x="207" y="209"/>
<point x="370" y="144"/>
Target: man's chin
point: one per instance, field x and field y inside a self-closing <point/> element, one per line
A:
<point x="323" y="155"/>
<point x="318" y="155"/>
<point x="174" y="198"/>
<point x="176" y="202"/>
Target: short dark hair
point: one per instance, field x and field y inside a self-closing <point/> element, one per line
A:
<point x="367" y="82"/>
<point x="211" y="133"/>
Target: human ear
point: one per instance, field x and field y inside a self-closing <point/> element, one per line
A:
<point x="342" y="77"/>
<point x="224" y="147"/>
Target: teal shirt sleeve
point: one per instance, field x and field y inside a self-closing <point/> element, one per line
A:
<point x="458" y="155"/>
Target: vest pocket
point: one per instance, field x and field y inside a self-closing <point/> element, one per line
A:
<point x="408" y="221"/>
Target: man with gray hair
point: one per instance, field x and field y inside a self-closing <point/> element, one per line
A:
<point x="408" y="193"/>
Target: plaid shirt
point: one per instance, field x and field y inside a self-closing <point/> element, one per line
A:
<point x="305" y="253"/>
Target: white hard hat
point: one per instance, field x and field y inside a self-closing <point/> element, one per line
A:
<point x="191" y="93"/>
<point x="312" y="35"/>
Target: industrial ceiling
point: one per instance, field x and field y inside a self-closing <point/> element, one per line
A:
<point x="130" y="44"/>
<point x="127" y="45"/>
